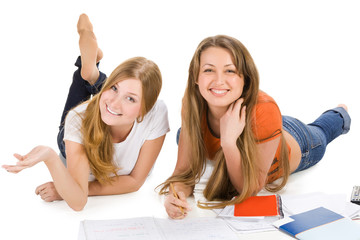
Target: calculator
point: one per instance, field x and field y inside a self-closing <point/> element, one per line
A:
<point x="355" y="195"/>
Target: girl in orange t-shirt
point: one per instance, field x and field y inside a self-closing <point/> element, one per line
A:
<point x="239" y="129"/>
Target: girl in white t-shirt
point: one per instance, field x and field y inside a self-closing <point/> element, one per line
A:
<point x="109" y="143"/>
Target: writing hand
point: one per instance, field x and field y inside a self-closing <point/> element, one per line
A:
<point x="173" y="204"/>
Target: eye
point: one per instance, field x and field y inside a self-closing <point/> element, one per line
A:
<point x="114" y="88"/>
<point x="230" y="71"/>
<point x="208" y="70"/>
<point x="130" y="99"/>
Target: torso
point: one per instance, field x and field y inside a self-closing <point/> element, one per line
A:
<point x="295" y="156"/>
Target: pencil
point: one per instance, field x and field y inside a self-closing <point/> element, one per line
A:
<point x="176" y="196"/>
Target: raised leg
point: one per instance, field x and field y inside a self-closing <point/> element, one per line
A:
<point x="90" y="53"/>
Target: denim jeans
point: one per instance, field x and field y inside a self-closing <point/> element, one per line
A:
<point x="313" y="138"/>
<point x="80" y="91"/>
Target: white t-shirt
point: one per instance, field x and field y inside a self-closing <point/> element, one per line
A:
<point x="155" y="124"/>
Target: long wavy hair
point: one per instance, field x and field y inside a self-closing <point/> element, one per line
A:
<point x="97" y="139"/>
<point x="219" y="187"/>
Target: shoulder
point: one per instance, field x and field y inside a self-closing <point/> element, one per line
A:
<point x="158" y="110"/>
<point x="266" y="118"/>
<point x="76" y="113"/>
<point x="266" y="105"/>
<point x="159" y="106"/>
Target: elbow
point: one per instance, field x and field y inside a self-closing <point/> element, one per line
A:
<point x="259" y="187"/>
<point x="136" y="187"/>
<point x="79" y="205"/>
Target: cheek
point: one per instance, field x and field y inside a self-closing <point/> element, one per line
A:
<point x="135" y="111"/>
<point x="202" y="85"/>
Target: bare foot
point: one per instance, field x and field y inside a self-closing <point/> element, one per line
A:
<point x="343" y="106"/>
<point x="84" y="24"/>
<point x="89" y="50"/>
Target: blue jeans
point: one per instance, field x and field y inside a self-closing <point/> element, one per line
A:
<point x="314" y="137"/>
<point x="80" y="91"/>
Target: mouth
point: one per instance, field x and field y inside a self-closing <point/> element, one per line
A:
<point x="219" y="92"/>
<point x="112" y="112"/>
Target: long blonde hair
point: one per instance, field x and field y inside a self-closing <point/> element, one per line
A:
<point x="97" y="139"/>
<point x="219" y="186"/>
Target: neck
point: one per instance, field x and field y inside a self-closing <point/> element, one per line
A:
<point x="214" y="114"/>
<point x="120" y="133"/>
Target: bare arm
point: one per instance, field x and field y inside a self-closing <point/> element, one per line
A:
<point x="173" y="205"/>
<point x="231" y="126"/>
<point x="130" y="183"/>
<point x="72" y="183"/>
<point x="266" y="154"/>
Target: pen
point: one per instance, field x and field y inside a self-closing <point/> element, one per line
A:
<point x="176" y="196"/>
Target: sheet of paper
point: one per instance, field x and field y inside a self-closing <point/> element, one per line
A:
<point x="119" y="229"/>
<point x="195" y="228"/>
<point x="149" y="228"/>
<point x="294" y="204"/>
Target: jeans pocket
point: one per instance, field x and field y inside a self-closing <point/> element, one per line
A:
<point x="315" y="140"/>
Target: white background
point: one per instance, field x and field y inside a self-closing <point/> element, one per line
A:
<point x="307" y="54"/>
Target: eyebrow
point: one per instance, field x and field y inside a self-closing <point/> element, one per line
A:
<point x="212" y="65"/>
<point x="130" y="93"/>
<point x="133" y="94"/>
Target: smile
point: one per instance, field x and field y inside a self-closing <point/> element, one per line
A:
<point x="219" y="92"/>
<point x="112" y="112"/>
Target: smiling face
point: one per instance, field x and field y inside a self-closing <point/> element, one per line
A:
<point x="219" y="82"/>
<point x="121" y="104"/>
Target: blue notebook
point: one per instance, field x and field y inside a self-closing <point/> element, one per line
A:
<point x="319" y="223"/>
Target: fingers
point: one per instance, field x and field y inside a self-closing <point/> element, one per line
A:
<point x="19" y="157"/>
<point x="47" y="192"/>
<point x="173" y="205"/>
<point x="13" y="168"/>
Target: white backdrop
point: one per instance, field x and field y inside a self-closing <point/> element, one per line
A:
<point x="307" y="54"/>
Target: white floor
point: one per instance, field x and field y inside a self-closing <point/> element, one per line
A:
<point x="307" y="54"/>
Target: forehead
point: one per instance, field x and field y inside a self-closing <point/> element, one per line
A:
<point x="216" y="55"/>
<point x="132" y="85"/>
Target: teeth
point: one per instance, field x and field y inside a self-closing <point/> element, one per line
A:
<point x="112" y="112"/>
<point x="219" y="91"/>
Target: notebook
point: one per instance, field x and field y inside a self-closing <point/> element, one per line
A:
<point x="319" y="223"/>
<point x="259" y="206"/>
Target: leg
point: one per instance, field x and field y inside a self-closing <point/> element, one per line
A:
<point x="313" y="138"/>
<point x="90" y="53"/>
<point x="83" y="85"/>
<point x="334" y="122"/>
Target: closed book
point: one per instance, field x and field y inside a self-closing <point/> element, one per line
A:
<point x="319" y="223"/>
<point x="259" y="206"/>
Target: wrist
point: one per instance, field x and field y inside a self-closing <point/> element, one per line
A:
<point x="94" y="188"/>
<point x="228" y="144"/>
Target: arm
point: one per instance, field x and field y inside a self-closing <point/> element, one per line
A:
<point x="71" y="183"/>
<point x="266" y="154"/>
<point x="130" y="183"/>
<point x="172" y="204"/>
<point x="231" y="126"/>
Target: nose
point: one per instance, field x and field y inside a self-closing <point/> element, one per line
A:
<point x="116" y="104"/>
<point x="219" y="78"/>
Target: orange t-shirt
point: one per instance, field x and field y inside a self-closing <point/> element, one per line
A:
<point x="266" y="125"/>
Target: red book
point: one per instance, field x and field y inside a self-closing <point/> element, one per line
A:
<point x="259" y="206"/>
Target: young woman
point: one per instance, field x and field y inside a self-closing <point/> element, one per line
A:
<point x="110" y="142"/>
<point x="236" y="134"/>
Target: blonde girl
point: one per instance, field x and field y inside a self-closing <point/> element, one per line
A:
<point x="234" y="133"/>
<point x="110" y="142"/>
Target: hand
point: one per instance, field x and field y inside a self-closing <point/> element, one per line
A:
<point x="232" y="123"/>
<point x="47" y="192"/>
<point x="173" y="204"/>
<point x="38" y="154"/>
